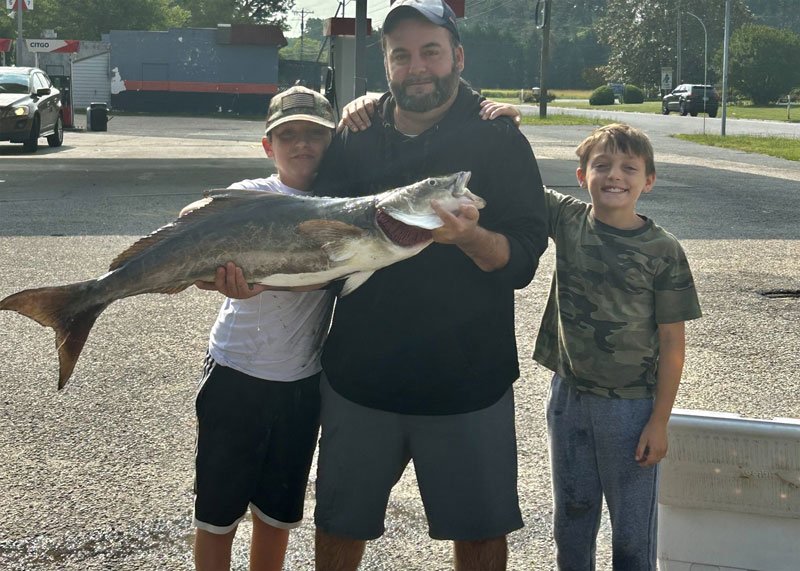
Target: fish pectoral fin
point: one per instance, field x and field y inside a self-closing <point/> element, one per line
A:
<point x="337" y="239"/>
<point x="354" y="281"/>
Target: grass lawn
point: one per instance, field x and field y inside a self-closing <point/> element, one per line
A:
<point x="764" y="113"/>
<point x="781" y="147"/>
<point x="571" y="93"/>
<point x="646" y="107"/>
<point x="561" y="119"/>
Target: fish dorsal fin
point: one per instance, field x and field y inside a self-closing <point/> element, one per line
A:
<point x="217" y="193"/>
<point x="222" y="199"/>
<point x="337" y="239"/>
<point x="144" y="243"/>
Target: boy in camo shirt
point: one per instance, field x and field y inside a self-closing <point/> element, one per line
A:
<point x="613" y="333"/>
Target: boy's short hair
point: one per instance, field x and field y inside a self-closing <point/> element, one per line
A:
<point x="618" y="137"/>
<point x="299" y="103"/>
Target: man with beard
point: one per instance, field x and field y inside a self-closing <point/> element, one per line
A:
<point x="420" y="360"/>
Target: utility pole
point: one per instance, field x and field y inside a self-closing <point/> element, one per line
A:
<point x="725" y="64"/>
<point x="302" y="31"/>
<point x="18" y="53"/>
<point x="678" y="72"/>
<point x="545" y="27"/>
<point x="360" y="85"/>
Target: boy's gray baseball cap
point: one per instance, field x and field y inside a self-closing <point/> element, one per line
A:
<point x="299" y="103"/>
<point x="437" y="11"/>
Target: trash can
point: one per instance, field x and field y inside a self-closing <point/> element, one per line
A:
<point x="97" y="117"/>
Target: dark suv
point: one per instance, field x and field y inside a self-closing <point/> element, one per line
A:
<point x="687" y="99"/>
<point x="30" y="107"/>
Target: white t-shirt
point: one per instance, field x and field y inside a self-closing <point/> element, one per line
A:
<point x="276" y="335"/>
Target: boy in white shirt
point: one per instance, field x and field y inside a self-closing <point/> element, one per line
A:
<point x="258" y="401"/>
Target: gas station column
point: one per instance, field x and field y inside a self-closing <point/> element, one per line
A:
<point x="342" y="33"/>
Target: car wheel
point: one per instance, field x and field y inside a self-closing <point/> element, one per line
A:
<point x="712" y="114"/>
<point x="57" y="137"/>
<point x="32" y="143"/>
<point x="684" y="111"/>
<point x="664" y="108"/>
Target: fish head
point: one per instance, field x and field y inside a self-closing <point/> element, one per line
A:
<point x="411" y="204"/>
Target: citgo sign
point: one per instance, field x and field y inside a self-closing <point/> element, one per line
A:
<point x="51" y="46"/>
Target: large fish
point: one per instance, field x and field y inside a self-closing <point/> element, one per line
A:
<point x="277" y="239"/>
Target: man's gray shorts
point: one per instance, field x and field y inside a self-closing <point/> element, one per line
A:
<point x="466" y="467"/>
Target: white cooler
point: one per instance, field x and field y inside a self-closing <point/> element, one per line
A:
<point x="730" y="494"/>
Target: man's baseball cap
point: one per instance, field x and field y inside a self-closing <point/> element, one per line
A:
<point x="299" y="103"/>
<point x="437" y="11"/>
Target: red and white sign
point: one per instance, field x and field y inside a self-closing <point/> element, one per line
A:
<point x="53" y="46"/>
<point x="26" y="4"/>
<point x="5" y="45"/>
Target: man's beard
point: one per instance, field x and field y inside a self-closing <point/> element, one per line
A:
<point x="443" y="89"/>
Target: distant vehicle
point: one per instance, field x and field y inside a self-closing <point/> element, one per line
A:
<point x="30" y="108"/>
<point x="618" y="89"/>
<point x="688" y="99"/>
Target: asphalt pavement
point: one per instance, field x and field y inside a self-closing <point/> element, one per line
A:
<point x="99" y="475"/>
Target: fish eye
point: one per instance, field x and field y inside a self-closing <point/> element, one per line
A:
<point x="431" y="182"/>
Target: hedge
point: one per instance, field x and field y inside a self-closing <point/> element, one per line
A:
<point x="603" y="95"/>
<point x="632" y="94"/>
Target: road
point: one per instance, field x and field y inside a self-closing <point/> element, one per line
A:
<point x="688" y="124"/>
<point x="99" y="476"/>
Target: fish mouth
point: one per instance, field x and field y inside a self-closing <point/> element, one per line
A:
<point x="400" y="233"/>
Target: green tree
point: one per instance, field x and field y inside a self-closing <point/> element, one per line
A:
<point x="310" y="50"/>
<point x="314" y="29"/>
<point x="263" y="11"/>
<point x="783" y="14"/>
<point x="209" y="13"/>
<point x="762" y="62"/>
<point x="642" y="35"/>
<point x="89" y="19"/>
<point x="492" y="56"/>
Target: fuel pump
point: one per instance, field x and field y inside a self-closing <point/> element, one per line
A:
<point x="341" y="78"/>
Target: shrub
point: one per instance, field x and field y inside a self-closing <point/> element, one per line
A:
<point x="500" y="93"/>
<point x="760" y="65"/>
<point x="603" y="95"/>
<point x="632" y="94"/>
<point x="529" y="96"/>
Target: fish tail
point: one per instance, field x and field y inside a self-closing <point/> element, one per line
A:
<point x="65" y="309"/>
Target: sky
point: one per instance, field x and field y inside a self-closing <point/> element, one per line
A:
<point x="322" y="9"/>
<point x="376" y="10"/>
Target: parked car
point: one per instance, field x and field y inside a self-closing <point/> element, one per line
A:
<point x="30" y="108"/>
<point x="688" y="99"/>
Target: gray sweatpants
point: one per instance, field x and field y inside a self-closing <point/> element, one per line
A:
<point x="592" y="444"/>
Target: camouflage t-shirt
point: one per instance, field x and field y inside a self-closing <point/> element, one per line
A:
<point x="610" y="289"/>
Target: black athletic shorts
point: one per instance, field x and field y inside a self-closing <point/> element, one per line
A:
<point x="255" y="444"/>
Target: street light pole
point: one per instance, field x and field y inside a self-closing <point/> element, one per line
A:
<point x="18" y="46"/>
<point x="678" y="70"/>
<point x="705" y="61"/>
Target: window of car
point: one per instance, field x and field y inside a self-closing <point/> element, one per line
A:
<point x="14" y="83"/>
<point x="699" y="89"/>
<point x="39" y="82"/>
